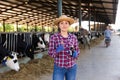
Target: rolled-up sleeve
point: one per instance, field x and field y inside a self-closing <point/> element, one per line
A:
<point x="51" y="50"/>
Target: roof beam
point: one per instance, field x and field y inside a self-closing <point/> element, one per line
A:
<point x="99" y="2"/>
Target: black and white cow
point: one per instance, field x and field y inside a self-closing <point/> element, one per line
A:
<point x="94" y="35"/>
<point x="9" y="58"/>
<point x="24" y="48"/>
<point x="83" y="38"/>
<point x="37" y="42"/>
<point x="46" y="38"/>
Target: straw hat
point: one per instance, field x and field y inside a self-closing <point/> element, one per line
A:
<point x="64" y="18"/>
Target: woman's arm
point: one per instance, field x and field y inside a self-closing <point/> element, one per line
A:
<point x="76" y="45"/>
<point x="52" y="50"/>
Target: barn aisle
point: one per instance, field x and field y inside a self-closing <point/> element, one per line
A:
<point x="100" y="63"/>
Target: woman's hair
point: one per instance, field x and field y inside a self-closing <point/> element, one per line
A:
<point x="59" y="29"/>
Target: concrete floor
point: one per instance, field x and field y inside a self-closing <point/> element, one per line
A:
<point x="98" y="63"/>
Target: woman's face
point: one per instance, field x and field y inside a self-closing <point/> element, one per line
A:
<point x="108" y="27"/>
<point x="64" y="25"/>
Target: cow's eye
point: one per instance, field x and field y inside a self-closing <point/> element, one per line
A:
<point x="41" y="42"/>
<point x="15" y="60"/>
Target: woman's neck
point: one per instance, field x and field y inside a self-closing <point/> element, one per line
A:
<point x="64" y="34"/>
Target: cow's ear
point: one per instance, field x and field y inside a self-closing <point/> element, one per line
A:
<point x="11" y="56"/>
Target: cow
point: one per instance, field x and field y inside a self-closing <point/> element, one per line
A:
<point x="37" y="42"/>
<point x="95" y="35"/>
<point x="9" y="58"/>
<point x="24" y="48"/>
<point x="46" y="38"/>
<point x="92" y="35"/>
<point x="83" y="37"/>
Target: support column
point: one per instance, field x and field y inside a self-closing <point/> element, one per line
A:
<point x="80" y="14"/>
<point x="94" y="25"/>
<point x="27" y="26"/>
<point x="42" y="22"/>
<point x="17" y="26"/>
<point x="94" y="20"/>
<point x="102" y="26"/>
<point x="3" y="25"/>
<point x="35" y="27"/>
<point x="59" y="5"/>
<point x="89" y="15"/>
<point x="99" y="26"/>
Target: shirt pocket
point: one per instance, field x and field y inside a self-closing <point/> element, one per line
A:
<point x="57" y="42"/>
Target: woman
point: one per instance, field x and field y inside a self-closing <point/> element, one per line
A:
<point x="107" y="35"/>
<point x="63" y="47"/>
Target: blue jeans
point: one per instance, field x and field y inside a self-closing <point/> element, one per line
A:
<point x="107" y="39"/>
<point x="67" y="73"/>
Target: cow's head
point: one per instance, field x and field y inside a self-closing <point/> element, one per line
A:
<point x="41" y="43"/>
<point x="46" y="37"/>
<point x="12" y="63"/>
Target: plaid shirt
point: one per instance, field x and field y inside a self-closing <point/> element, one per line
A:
<point x="63" y="58"/>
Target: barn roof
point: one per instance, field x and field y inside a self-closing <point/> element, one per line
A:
<point x="42" y="12"/>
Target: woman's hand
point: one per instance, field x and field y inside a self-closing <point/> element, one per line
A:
<point x="75" y="54"/>
<point x="59" y="48"/>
